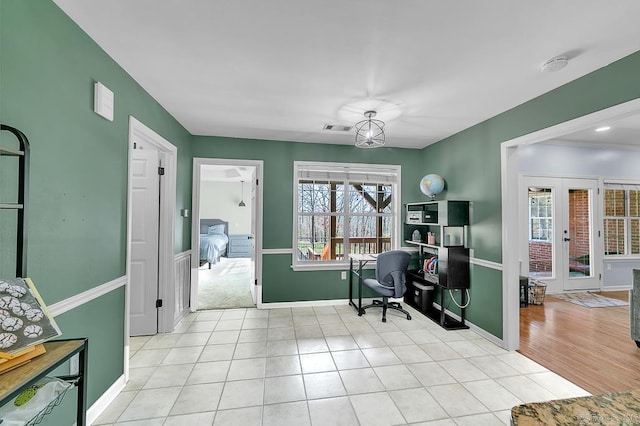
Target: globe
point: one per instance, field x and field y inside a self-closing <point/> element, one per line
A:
<point x="431" y="185"/>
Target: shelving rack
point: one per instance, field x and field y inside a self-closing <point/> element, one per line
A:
<point x="448" y="221"/>
<point x="20" y="205"/>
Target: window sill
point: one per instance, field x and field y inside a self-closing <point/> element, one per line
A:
<point x="621" y="257"/>
<point x="341" y="266"/>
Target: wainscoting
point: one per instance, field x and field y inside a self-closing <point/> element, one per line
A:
<point x="182" y="268"/>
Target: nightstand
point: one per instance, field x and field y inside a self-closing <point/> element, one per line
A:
<point x="239" y="245"/>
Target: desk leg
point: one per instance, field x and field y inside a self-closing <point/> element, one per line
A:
<point x="360" y="311"/>
<point x="82" y="386"/>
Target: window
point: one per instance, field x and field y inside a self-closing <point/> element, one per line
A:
<point x="540" y="214"/>
<point x="340" y="209"/>
<point x="621" y="220"/>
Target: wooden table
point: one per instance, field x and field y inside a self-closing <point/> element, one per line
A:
<point x="619" y="408"/>
<point x="15" y="381"/>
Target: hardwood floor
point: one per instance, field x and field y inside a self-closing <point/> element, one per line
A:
<point x="591" y="347"/>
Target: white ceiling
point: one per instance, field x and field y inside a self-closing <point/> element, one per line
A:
<point x="281" y="69"/>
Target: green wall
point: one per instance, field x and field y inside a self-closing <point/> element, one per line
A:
<point x="470" y="163"/>
<point x="78" y="189"/>
<point x="280" y="283"/>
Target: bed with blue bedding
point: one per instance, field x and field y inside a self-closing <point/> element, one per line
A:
<point x="214" y="237"/>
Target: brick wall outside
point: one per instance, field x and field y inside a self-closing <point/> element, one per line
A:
<point x="540" y="256"/>
<point x="579" y="226"/>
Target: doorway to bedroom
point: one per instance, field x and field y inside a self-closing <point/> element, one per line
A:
<point x="226" y="218"/>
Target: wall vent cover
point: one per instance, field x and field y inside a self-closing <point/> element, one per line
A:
<point x="337" y="127"/>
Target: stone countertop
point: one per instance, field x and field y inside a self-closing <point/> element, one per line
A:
<point x="619" y="408"/>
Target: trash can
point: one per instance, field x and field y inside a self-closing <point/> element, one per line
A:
<point x="423" y="295"/>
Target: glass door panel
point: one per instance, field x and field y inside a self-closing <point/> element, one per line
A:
<point x="578" y="235"/>
<point x="540" y="228"/>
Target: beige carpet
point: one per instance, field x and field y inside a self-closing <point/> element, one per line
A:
<point x="226" y="285"/>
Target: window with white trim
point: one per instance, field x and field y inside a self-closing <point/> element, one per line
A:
<point x="621" y="220"/>
<point x="540" y="214"/>
<point x="341" y="209"/>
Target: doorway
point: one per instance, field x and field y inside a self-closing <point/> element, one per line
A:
<point x="227" y="234"/>
<point x="561" y="232"/>
<point x="511" y="218"/>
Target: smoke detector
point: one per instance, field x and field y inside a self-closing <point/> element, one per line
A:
<point x="555" y="64"/>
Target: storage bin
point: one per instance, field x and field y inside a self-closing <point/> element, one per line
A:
<point x="537" y="290"/>
<point x="423" y="295"/>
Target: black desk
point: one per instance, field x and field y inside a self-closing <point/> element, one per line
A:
<point x="57" y="352"/>
<point x="362" y="260"/>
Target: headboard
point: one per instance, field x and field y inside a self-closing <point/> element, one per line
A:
<point x="206" y="223"/>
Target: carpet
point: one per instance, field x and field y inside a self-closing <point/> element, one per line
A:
<point x="226" y="285"/>
<point x="590" y="300"/>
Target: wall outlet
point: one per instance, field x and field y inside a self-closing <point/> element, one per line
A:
<point x="343" y="275"/>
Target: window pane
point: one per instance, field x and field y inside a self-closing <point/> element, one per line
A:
<point x="634" y="203"/>
<point x="614" y="202"/>
<point x="635" y="236"/>
<point x="305" y="191"/>
<point x="614" y="236"/>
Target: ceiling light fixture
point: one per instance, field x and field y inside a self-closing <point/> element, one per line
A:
<point x="603" y="128"/>
<point x="242" y="204"/>
<point x="555" y="64"/>
<point x="370" y="132"/>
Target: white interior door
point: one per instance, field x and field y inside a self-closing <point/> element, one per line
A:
<point x="145" y="199"/>
<point x="561" y="225"/>
<point x="254" y="205"/>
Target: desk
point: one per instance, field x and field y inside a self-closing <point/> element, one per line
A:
<point x="362" y="260"/>
<point x="15" y="381"/>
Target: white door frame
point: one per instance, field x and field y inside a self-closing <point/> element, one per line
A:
<point x="195" y="222"/>
<point x="138" y="131"/>
<point x="510" y="215"/>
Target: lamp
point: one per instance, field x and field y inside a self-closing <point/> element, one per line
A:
<point x="369" y="132"/>
<point x="242" y="204"/>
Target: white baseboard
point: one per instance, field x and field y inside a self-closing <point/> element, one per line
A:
<point x="105" y="399"/>
<point x="304" y="304"/>
<point x="490" y="337"/>
<point x="617" y="288"/>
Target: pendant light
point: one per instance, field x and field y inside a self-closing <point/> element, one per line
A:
<point x="370" y="132"/>
<point x="242" y="204"/>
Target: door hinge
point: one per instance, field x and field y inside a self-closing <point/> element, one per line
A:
<point x="600" y="277"/>
<point x="598" y="233"/>
<point x="255" y="282"/>
<point x="135" y="145"/>
<point x="257" y="182"/>
<point x="159" y="303"/>
<point x="598" y="191"/>
<point x="161" y="171"/>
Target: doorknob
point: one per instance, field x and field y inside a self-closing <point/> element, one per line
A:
<point x="566" y="239"/>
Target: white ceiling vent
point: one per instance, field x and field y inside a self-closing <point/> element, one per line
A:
<point x="337" y="127"/>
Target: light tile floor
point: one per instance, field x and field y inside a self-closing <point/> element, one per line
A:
<point x="324" y="366"/>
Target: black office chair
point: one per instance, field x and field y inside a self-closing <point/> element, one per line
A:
<point x="390" y="281"/>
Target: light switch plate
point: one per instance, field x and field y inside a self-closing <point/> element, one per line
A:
<point x="103" y="100"/>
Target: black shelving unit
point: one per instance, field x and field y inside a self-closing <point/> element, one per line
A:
<point x="439" y="229"/>
<point x="20" y="205"/>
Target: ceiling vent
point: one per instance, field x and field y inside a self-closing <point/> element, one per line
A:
<point x="337" y="127"/>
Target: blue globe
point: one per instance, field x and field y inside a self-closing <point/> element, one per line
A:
<point x="431" y="185"/>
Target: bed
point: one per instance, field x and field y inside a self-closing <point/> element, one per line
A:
<point x="214" y="237"/>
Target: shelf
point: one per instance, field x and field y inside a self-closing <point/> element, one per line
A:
<point x="13" y="382"/>
<point x="418" y="243"/>
<point x="11" y="152"/>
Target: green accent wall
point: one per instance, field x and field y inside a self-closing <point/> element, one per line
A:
<point x="471" y="165"/>
<point x="280" y="283"/>
<point x="78" y="180"/>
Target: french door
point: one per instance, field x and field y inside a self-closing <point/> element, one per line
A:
<point x="562" y="226"/>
